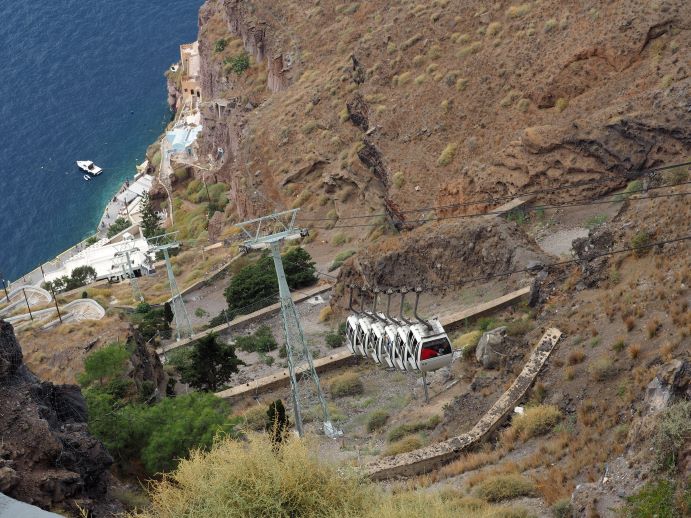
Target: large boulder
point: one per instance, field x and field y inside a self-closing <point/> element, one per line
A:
<point x="672" y="380"/>
<point x="492" y="347"/>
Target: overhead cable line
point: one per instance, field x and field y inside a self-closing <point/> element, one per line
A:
<point x="599" y="181"/>
<point x="469" y="280"/>
<point x="576" y="203"/>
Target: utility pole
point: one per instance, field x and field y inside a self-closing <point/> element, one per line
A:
<point x="4" y="287"/>
<point x="183" y="325"/>
<point x="270" y="231"/>
<point x="56" y="303"/>
<point x="27" y="303"/>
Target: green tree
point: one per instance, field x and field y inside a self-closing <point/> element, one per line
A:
<point x="210" y="364"/>
<point x="118" y="226"/>
<point x="262" y="341"/>
<point x="104" y="365"/>
<point x="81" y="276"/>
<point x="151" y="320"/>
<point x="277" y="423"/>
<point x="299" y="268"/>
<point x="255" y="285"/>
<point x="168" y="312"/>
<point x="150" y="225"/>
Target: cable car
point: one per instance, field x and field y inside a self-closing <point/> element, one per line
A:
<point x="377" y="338"/>
<point x="352" y="325"/>
<point x="401" y="355"/>
<point x="431" y="346"/>
<point x="429" y="343"/>
<point x="364" y="330"/>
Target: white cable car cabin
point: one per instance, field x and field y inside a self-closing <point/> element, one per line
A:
<point x="430" y="346"/>
<point x="363" y="333"/>
<point x="352" y="326"/>
<point x="355" y="335"/>
<point x="387" y="343"/>
<point x="376" y="339"/>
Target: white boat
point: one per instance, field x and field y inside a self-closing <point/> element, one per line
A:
<point x="89" y="167"/>
<point x="86" y="177"/>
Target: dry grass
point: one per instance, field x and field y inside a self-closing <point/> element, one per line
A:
<point x="254" y="418"/>
<point x="652" y="327"/>
<point x="634" y="350"/>
<point x="325" y="314"/>
<point x="537" y="420"/>
<point x="504" y="487"/>
<point x="576" y="356"/>
<point x="410" y="443"/>
<point x="346" y="384"/>
<point x="602" y="369"/>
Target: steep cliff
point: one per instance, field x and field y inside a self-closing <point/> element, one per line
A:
<point x="367" y="107"/>
<point x="47" y="456"/>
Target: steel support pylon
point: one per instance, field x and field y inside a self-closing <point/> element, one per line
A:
<point x="300" y="363"/>
<point x="183" y="325"/>
<point x="123" y="257"/>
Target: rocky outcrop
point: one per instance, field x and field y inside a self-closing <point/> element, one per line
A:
<point x="609" y="148"/>
<point x="441" y="253"/>
<point x="591" y="252"/>
<point x="673" y="381"/>
<point x="144" y="367"/>
<point x="491" y="348"/>
<point x="47" y="455"/>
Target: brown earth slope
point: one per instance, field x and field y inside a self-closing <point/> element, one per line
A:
<point x="356" y="108"/>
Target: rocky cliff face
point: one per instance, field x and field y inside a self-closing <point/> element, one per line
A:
<point x="47" y="456"/>
<point x="348" y="109"/>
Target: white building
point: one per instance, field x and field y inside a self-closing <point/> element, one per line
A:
<point x="108" y="259"/>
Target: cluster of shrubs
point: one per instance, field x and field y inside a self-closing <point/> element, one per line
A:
<point x="138" y="428"/>
<point x="80" y="276"/>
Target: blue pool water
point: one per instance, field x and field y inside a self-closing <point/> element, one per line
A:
<point x="82" y="80"/>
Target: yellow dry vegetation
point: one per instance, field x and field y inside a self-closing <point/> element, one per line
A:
<point x="238" y="479"/>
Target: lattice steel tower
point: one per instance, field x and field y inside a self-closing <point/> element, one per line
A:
<point x="122" y="259"/>
<point x="183" y="325"/>
<point x="270" y="231"/>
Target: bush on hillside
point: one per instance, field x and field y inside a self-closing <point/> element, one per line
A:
<point x="255" y="285"/>
<point x="535" y="421"/>
<point x="261" y="341"/>
<point x="504" y="487"/>
<point x="673" y="430"/>
<point x="237" y="479"/>
<point x="410" y="443"/>
<point x="335" y="339"/>
<point x="407" y="429"/>
<point x="237" y="64"/>
<point x="377" y="420"/>
<point x="254" y="418"/>
<point x="347" y="384"/>
<point x="658" y="499"/>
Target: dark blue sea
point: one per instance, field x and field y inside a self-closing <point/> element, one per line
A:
<point x="81" y="80"/>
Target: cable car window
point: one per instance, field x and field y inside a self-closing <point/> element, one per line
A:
<point x="435" y="348"/>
